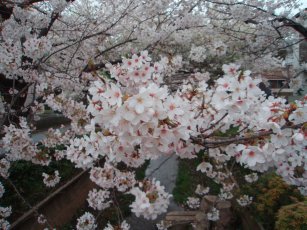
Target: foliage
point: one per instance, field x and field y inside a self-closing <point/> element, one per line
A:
<point x="292" y="216"/>
<point x="270" y="193"/>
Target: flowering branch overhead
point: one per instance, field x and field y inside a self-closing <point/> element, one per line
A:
<point x="143" y="79"/>
<point x="214" y="142"/>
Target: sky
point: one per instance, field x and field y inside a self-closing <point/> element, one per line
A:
<point x="295" y="11"/>
<point x="304" y="2"/>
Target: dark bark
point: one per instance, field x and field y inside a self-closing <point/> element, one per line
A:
<point x="296" y="26"/>
<point x="5" y="12"/>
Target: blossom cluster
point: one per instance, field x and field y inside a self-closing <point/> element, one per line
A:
<point x="4" y="224"/>
<point x="37" y="47"/>
<point x="97" y="199"/>
<point x="4" y="168"/>
<point x="214" y="214"/>
<point x="41" y="219"/>
<point x="250" y="178"/>
<point x="200" y="190"/>
<point x="2" y="190"/>
<point x="193" y="202"/>
<point x="18" y="144"/>
<point x="56" y="136"/>
<point x="5" y="212"/>
<point x="111" y="177"/>
<point x="123" y="226"/>
<point x="51" y="180"/>
<point x="70" y="108"/>
<point x="84" y="151"/>
<point x="150" y="199"/>
<point x="238" y="101"/>
<point x="86" y="222"/>
<point x="141" y="122"/>
<point x="200" y="53"/>
<point x="162" y="225"/>
<point x="245" y="200"/>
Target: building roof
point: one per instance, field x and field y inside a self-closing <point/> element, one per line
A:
<point x="279" y="74"/>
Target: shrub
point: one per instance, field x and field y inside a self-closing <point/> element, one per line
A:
<point x="292" y="216"/>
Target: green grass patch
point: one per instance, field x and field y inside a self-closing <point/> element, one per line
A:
<point x="140" y="172"/>
<point x="184" y="183"/>
<point x="188" y="179"/>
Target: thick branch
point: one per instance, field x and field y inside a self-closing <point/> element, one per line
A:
<point x="218" y="141"/>
<point x="46" y="30"/>
<point x="296" y="26"/>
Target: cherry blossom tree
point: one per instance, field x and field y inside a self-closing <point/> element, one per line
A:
<point x="110" y="67"/>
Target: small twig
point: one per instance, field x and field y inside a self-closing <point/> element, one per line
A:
<point x="25" y="201"/>
<point x="232" y="177"/>
<point x="118" y="211"/>
<point x="214" y="124"/>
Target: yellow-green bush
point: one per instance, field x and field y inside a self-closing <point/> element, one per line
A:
<point x="270" y="194"/>
<point x="292" y="216"/>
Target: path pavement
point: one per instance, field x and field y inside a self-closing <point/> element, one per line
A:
<point x="39" y="136"/>
<point x="165" y="170"/>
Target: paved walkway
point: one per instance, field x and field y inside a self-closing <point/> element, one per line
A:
<point x="41" y="135"/>
<point x="165" y="170"/>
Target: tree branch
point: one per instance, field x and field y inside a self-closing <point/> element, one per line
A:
<point x="219" y="141"/>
